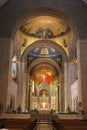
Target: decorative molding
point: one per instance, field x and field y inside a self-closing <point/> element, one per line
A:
<point x="43" y="12"/>
<point x="56" y="14"/>
<point x="45" y="61"/>
<point x="45" y="33"/>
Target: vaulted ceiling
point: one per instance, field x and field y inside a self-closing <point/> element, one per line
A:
<point x="12" y="10"/>
<point x="44" y="27"/>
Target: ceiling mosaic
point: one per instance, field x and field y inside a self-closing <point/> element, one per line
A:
<point x="53" y="28"/>
<point x="44" y="52"/>
<point x="45" y="27"/>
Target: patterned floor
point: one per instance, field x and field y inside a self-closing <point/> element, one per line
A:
<point x="44" y="127"/>
<point x="44" y="121"/>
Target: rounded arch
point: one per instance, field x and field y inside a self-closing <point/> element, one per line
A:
<point x="44" y="86"/>
<point x="50" y="12"/>
<point x="54" y="13"/>
<point x="48" y="62"/>
<point x="47" y="43"/>
<point x="44" y="11"/>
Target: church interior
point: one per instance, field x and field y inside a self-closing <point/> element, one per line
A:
<point x="43" y="68"/>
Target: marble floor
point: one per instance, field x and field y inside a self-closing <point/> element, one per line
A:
<point x="44" y="126"/>
<point x="44" y="121"/>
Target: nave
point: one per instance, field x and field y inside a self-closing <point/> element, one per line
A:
<point x="44" y="126"/>
<point x="43" y="121"/>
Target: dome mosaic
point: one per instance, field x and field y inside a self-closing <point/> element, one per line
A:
<point x="45" y="27"/>
<point x="44" y="52"/>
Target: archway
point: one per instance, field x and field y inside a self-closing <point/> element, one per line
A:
<point x="44" y="91"/>
<point x="57" y="68"/>
<point x="44" y="44"/>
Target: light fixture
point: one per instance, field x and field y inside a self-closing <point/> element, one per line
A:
<point x="74" y="60"/>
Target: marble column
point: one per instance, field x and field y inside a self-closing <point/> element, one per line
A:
<point x="59" y="98"/>
<point x="57" y="103"/>
<point x="30" y="105"/>
<point x="29" y="94"/>
<point x="24" y="84"/>
<point x="67" y="87"/>
<point x="61" y="93"/>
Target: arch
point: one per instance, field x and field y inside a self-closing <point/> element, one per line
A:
<point x="43" y="11"/>
<point x="55" y="13"/>
<point x="47" y="43"/>
<point x="39" y="61"/>
<point x="43" y="86"/>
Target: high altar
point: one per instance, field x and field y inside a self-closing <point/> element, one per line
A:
<point x="44" y="93"/>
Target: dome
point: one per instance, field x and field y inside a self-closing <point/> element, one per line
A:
<point x="44" y="52"/>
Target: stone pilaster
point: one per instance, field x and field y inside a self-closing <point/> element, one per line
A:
<point x="67" y="87"/>
<point x="82" y="71"/>
<point x="23" y="85"/>
<point x="4" y="70"/>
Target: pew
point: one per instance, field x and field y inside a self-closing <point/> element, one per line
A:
<point x="78" y="129"/>
<point x="70" y="124"/>
<point x="19" y="124"/>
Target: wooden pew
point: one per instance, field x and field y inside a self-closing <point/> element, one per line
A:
<point x="19" y="124"/>
<point x="70" y="124"/>
<point x="75" y="127"/>
<point x="78" y="129"/>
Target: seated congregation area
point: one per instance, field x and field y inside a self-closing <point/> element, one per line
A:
<point x="43" y="121"/>
<point x="43" y="64"/>
<point x="70" y="124"/>
<point x="17" y="124"/>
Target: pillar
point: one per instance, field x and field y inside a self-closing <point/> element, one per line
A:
<point x="57" y="95"/>
<point x="24" y="84"/>
<point x="4" y="71"/>
<point x="30" y="95"/>
<point x="61" y="92"/>
<point x="67" y="87"/>
<point x="82" y="71"/>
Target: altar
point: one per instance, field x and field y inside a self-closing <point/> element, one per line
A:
<point x="44" y="98"/>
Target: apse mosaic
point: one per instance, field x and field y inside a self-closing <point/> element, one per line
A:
<point x="44" y="27"/>
<point x="44" y="88"/>
<point x="43" y="74"/>
<point x="44" y="32"/>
